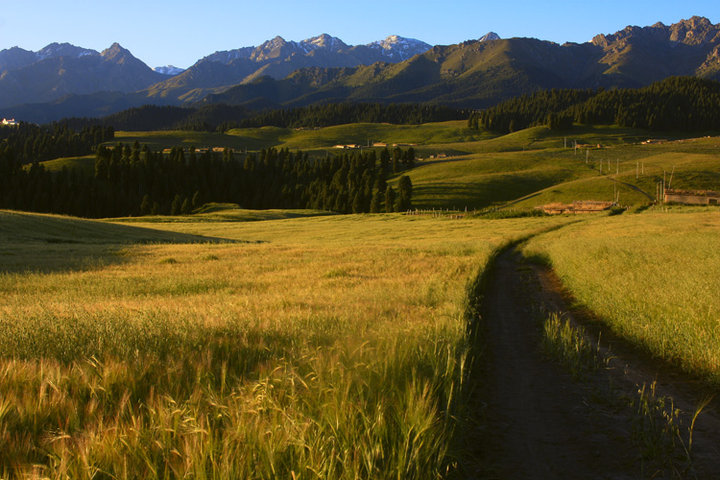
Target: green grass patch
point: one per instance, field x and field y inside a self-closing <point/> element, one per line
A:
<point x="224" y="212"/>
<point x="332" y="349"/>
<point x="569" y="345"/>
<point x="85" y="163"/>
<point x="658" y="286"/>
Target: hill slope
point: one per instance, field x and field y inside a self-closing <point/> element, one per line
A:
<point x="473" y="74"/>
<point x="480" y="73"/>
<point x="63" y="70"/>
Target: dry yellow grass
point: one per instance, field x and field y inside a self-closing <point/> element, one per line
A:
<point x="335" y="348"/>
<point x="652" y="277"/>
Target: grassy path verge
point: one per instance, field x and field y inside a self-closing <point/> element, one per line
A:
<point x="559" y="406"/>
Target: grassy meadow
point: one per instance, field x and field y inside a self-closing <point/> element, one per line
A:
<point x="479" y="169"/>
<point x="312" y="138"/>
<point x="651" y="277"/>
<point x="299" y="344"/>
<point x="318" y="347"/>
<point x="531" y="168"/>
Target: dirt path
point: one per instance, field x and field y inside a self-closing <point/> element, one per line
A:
<point x="539" y="423"/>
<point x="634" y="187"/>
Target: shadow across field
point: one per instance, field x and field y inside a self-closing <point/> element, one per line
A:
<point x="548" y="423"/>
<point x="490" y="190"/>
<point x="47" y="243"/>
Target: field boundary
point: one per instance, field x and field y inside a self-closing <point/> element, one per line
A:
<point x="626" y="390"/>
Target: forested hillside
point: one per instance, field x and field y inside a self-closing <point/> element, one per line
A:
<point x="685" y="104"/>
<point x="136" y="181"/>
<point x="221" y="117"/>
<point x="27" y="143"/>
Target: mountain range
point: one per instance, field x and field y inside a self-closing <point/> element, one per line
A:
<point x="64" y="80"/>
<point x="59" y="72"/>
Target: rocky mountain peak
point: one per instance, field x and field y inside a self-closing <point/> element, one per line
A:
<point x="114" y="51"/>
<point x="488" y="37"/>
<point x="169" y="70"/>
<point x="324" y="41"/>
<point x="695" y="31"/>
<point x="275" y="48"/>
<point x="55" y="50"/>
<point x="397" y="47"/>
<point x="276" y="42"/>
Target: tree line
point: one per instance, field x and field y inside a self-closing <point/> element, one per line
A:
<point x="687" y="104"/>
<point x="32" y="143"/>
<point x="131" y="180"/>
<point x="221" y="117"/>
<point x="343" y="113"/>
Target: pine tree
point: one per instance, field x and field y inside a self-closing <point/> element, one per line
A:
<point x="376" y="203"/>
<point x="146" y="205"/>
<point x="186" y="207"/>
<point x="196" y="202"/>
<point x="176" y="205"/>
<point x="389" y="200"/>
<point x="404" y="194"/>
<point x="357" y="204"/>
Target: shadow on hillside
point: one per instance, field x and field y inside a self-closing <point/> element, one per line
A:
<point x="48" y="243"/>
<point x="495" y="189"/>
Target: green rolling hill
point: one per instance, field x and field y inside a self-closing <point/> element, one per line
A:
<point x="459" y="167"/>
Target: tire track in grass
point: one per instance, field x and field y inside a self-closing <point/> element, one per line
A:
<point x="539" y="422"/>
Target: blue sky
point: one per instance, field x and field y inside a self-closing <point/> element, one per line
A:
<point x="183" y="31"/>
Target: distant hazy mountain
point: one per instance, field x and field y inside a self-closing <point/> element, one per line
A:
<point x="488" y="37"/>
<point x="63" y="69"/>
<point x="14" y="58"/>
<point x="472" y="74"/>
<point x="482" y="72"/>
<point x="169" y="70"/>
<point x="278" y="58"/>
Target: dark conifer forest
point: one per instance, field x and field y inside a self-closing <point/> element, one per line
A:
<point x="685" y="104"/>
<point x="132" y="180"/>
<point x="29" y="143"/>
<point x="220" y="117"/>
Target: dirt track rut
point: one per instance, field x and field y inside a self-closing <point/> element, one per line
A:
<point x="539" y="423"/>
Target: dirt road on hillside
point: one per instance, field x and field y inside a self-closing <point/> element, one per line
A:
<point x="540" y="423"/>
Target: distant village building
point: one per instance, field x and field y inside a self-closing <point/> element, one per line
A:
<point x="9" y="122"/>
<point x="585" y="206"/>
<point x="692" y="197"/>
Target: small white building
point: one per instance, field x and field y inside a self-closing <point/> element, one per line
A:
<point x="9" y="122"/>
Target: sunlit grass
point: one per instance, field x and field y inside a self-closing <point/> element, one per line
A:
<point x="336" y="349"/>
<point x="311" y="138"/>
<point x="651" y="277"/>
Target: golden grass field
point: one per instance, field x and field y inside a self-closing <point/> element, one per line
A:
<point x="653" y="278"/>
<point x="298" y="344"/>
<point x="326" y="347"/>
